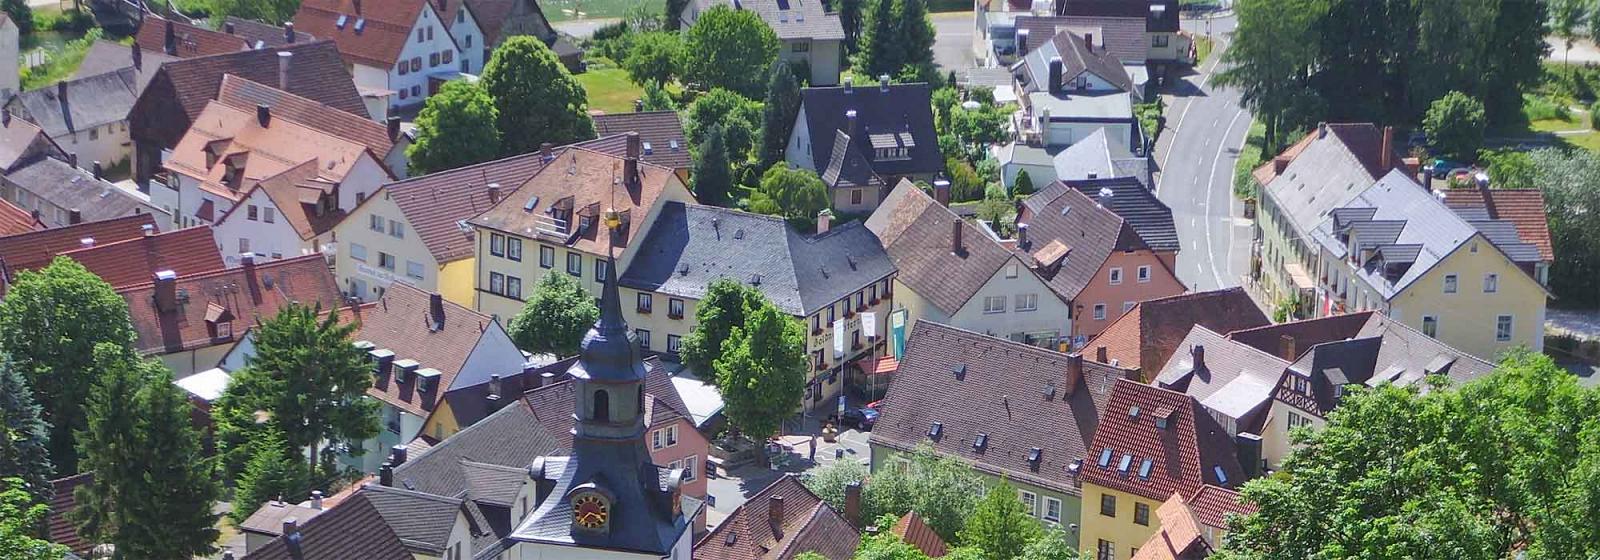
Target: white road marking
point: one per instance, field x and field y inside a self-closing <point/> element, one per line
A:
<point x="1211" y="248"/>
<point x="1216" y="56"/>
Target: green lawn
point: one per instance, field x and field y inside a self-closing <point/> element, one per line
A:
<point x="609" y="89"/>
<point x="566" y="10"/>
<point x="1250" y="157"/>
<point x="1202" y="49"/>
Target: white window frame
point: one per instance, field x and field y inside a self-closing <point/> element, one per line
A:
<point x="1031" y="500"/>
<point x="415" y="270"/>
<point x="1027" y="302"/>
<point x="994" y="304"/>
<point x="1051" y="504"/>
<point x="358" y="252"/>
<point x="1099" y="311"/>
<point x="1452" y="283"/>
<point x="1426" y="319"/>
<point x="1114" y="276"/>
<point x="1505" y="334"/>
<point x="1491" y="283"/>
<point x="1144" y="274"/>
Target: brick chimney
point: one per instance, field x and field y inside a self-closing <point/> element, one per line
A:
<point x="392" y="125"/>
<point x="1088" y="41"/>
<point x="386" y="474"/>
<point x="1386" y="152"/>
<point x="852" y="503"/>
<point x="941" y="191"/>
<point x="1022" y="236"/>
<point x="1022" y="42"/>
<point x="61" y="95"/>
<point x="630" y="164"/>
<point x="227" y="27"/>
<point x="72" y="159"/>
<point x="824" y="221"/>
<point x="1074" y="370"/>
<point x="138" y="57"/>
<point x="1286" y="348"/>
<point x="247" y="261"/>
<point x="166" y="292"/>
<point x="955" y="236"/>
<point x="97" y="170"/>
<point x="436" y="311"/>
<point x="1101" y="355"/>
<point x="171" y="40"/>
<point x="775" y="512"/>
<point x="291" y="527"/>
<point x="284" y="57"/>
<point x="288" y="32"/>
<point x="1054" y="75"/>
<point x="546" y="151"/>
<point x="263" y="115"/>
<point x="494" y="193"/>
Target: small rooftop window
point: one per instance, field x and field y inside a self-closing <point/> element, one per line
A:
<point x="1127" y="461"/>
<point x="980" y="442"/>
<point x="1105" y="457"/>
<point x="1033" y="455"/>
<point x="960" y="370"/>
<point x="1144" y="469"/>
<point x="936" y="430"/>
<point x="1222" y="477"/>
<point x="1133" y="412"/>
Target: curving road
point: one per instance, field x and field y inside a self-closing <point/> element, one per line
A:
<point x="1195" y="155"/>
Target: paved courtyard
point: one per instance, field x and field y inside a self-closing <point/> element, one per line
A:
<point x="729" y="490"/>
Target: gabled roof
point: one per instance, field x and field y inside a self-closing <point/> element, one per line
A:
<point x="1232" y="379"/>
<point x="88" y="102"/>
<point x="916" y="232"/>
<point x="954" y="386"/>
<point x="526" y="17"/>
<point x="1383" y="351"/>
<point x="374" y="34"/>
<point x="902" y="109"/>
<point x="1148" y="335"/>
<point x="268" y="519"/>
<point x="690" y="246"/>
<point x="295" y="192"/>
<point x="790" y="19"/>
<point x="35" y="249"/>
<point x="356" y="528"/>
<point x="849" y="166"/>
<point x="110" y="56"/>
<point x="1095" y="157"/>
<point x="182" y="88"/>
<point x="247" y="293"/>
<point x="510" y="437"/>
<point x="437" y="204"/>
<point x="916" y="532"/>
<point x="585" y="183"/>
<point x="1178" y="535"/>
<point x="1163" y="20"/>
<point x="1291" y="340"/>
<point x="1524" y="208"/>
<point x="22" y="142"/>
<point x="402" y="322"/>
<point x="806" y="524"/>
<point x="1136" y="205"/>
<point x="1211" y="506"/>
<point x="661" y="132"/>
<point x="65" y="186"/>
<point x="421" y="521"/>
<point x="1033" y="71"/>
<point x="1070" y="236"/>
<point x="225" y="137"/>
<point x="1190" y="451"/>
<point x="187" y="40"/>
<point x="135" y="261"/>
<point x="245" y="95"/>
<point x="1325" y="169"/>
<point x="14" y="220"/>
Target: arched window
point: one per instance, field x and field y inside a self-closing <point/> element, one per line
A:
<point x="602" y="406"/>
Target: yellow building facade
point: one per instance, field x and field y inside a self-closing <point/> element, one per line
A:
<point x="1115" y="523"/>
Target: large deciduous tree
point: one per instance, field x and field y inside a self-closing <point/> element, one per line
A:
<point x="778" y="112"/>
<point x="50" y="322"/>
<point x="796" y="194"/>
<point x="1455" y="125"/>
<point x="722" y="309"/>
<point x="20" y="518"/>
<point x="1270" y="61"/>
<point x="24" y="438"/>
<point x="537" y="99"/>
<point x="555" y="318"/>
<point x="731" y="49"/>
<point x="761" y="372"/>
<point x="1000" y="524"/>
<point x="457" y="127"/>
<point x="654" y="57"/>
<point x="152" y="493"/>
<point x="1571" y="185"/>
<point x="307" y="381"/>
<point x="739" y="118"/>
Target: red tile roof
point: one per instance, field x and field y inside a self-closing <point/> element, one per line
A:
<point x="436" y="203"/>
<point x="1212" y="505"/>
<point x="34" y="250"/>
<point x="1524" y="208"/>
<point x="190" y="40"/>
<point x="1148" y="334"/>
<point x="241" y="93"/>
<point x="247" y="293"/>
<point x="62" y="530"/>
<point x="662" y="130"/>
<point x="917" y="533"/>
<point x="1184" y="455"/>
<point x="401" y="322"/>
<point x="135" y="261"/>
<point x="14" y="220"/>
<point x="1177" y="537"/>
<point x="386" y="27"/>
<point x="807" y="525"/>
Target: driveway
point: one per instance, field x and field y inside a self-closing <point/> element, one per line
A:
<point x="1195" y="156"/>
<point x="952" y="41"/>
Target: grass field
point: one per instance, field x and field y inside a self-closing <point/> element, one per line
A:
<point x="609" y="89"/>
<point x="566" y="10"/>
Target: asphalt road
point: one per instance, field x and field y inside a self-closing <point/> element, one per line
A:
<point x="952" y="41"/>
<point x="1206" y="128"/>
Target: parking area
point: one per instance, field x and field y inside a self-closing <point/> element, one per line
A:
<point x="729" y="489"/>
<point x="952" y="42"/>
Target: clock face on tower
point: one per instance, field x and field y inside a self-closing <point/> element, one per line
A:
<point x="590" y="511"/>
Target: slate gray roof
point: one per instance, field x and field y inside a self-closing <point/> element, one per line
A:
<point x="1333" y="166"/>
<point x="1019" y="396"/>
<point x="1384" y="351"/>
<point x="1060" y="215"/>
<point x="493" y="484"/>
<point x="661" y="133"/>
<point x="1033" y="71"/>
<point x="790" y="19"/>
<point x="1123" y="38"/>
<point x="1234" y="379"/>
<point x="904" y="108"/>
<point x="353" y="529"/>
<point x="110" y="56"/>
<point x="261" y="35"/>
<point x="510" y="437"/>
<point x="1410" y="229"/>
<point x="71" y="187"/>
<point x="422" y="521"/>
<point x="1095" y="155"/>
<point x="916" y="233"/>
<point x="691" y="245"/>
<point x="848" y="166"/>
<point x="89" y="102"/>
<point x="1150" y="217"/>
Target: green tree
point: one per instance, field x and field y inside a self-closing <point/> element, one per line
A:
<point x="1508" y="169"/>
<point x="980" y="127"/>
<point x="1270" y="60"/>
<point x="152" y="492"/>
<point x="737" y="116"/>
<point x="537" y="100"/>
<point x="945" y="101"/>
<point x="829" y="482"/>
<point x="797" y="194"/>
<point x="556" y="317"/>
<point x="656" y="98"/>
<point x="1000" y="524"/>
<point x="915" y="32"/>
<point x="1022" y="185"/>
<point x="1455" y="125"/>
<point x="940" y="489"/>
<point x="850" y="20"/>
<point x="50" y="322"/>
<point x="24" y="438"/>
<point x="885" y="545"/>
<point x="273" y="473"/>
<point x="20" y="517"/>
<point x="761" y="372"/>
<point x="1504" y="466"/>
<point x="653" y="57"/>
<point x="674" y="14"/>
<point x="1566" y="19"/>
<point x="257" y="10"/>
<point x="878" y="49"/>
<point x="1052" y="545"/>
<point x="728" y="48"/>
<point x="307" y="381"/>
<point x="723" y="308"/>
<point x="712" y="177"/>
<point x="1570" y="181"/>
<point x="778" y="112"/>
<point x="456" y="127"/>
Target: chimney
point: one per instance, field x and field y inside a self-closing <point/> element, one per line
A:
<point x="1286" y="348"/>
<point x="630" y="164"/>
<point x="850" y="123"/>
<point x="849" y="85"/>
<point x="1022" y="236"/>
<point x="883" y="83"/>
<point x="166" y="292"/>
<point x="852" y="503"/>
<point x="5" y="118"/>
<point x="227" y="27"/>
<point x="227" y="555"/>
<point x="546" y="379"/>
<point x="1386" y="154"/>
<point x="1413" y="168"/>
<point x="72" y="159"/>
<point x="1322" y="130"/>
<point x="148" y="230"/>
<point x="397" y="455"/>
<point x="1074" y="370"/>
<point x="393" y="124"/>
<point x="775" y="512"/>
<point x="248" y="262"/>
<point x="638" y="105"/>
<point x="1249" y="448"/>
<point x="288" y="32"/>
<point x="386" y="474"/>
<point x="99" y="172"/>
<point x="494" y="385"/>
<point x="1198" y="354"/>
<point x="941" y="191"/>
<point x="357" y="6"/>
<point x="436" y="310"/>
<point x="1055" y="75"/>
<point x="1088" y="41"/>
<point x="61" y="93"/>
<point x="824" y="221"/>
<point x="1022" y="42"/>
<point x="1100" y="354"/>
<point x="1279" y="164"/>
<point x="291" y="526"/>
<point x="545" y="151"/>
<point x="171" y="42"/>
<point x="316" y="499"/>
<point x="86" y="242"/>
<point x="494" y="193"/>
<point x="74" y="216"/>
<point x="263" y="114"/>
<point x="955" y="236"/>
<point x="138" y="57"/>
<point x="283" y="71"/>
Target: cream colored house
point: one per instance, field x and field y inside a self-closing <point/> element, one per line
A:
<point x="570" y="217"/>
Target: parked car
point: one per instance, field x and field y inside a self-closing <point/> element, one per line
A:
<point x="861" y="418"/>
